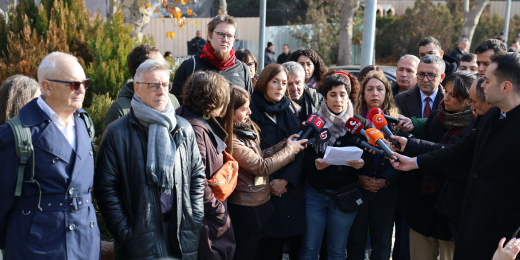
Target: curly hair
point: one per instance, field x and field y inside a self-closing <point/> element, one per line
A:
<point x="388" y="105"/>
<point x="319" y="66"/>
<point x="328" y="82"/>
<point x="205" y="92"/>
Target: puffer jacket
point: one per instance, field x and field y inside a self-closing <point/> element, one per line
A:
<point x="254" y="162"/>
<point x="131" y="208"/>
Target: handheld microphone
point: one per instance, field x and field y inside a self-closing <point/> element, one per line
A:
<point x="320" y="137"/>
<point x="314" y="122"/>
<point x="377" y="137"/>
<point x="355" y="127"/>
<point x="364" y="144"/>
<point x="375" y="111"/>
<point x="392" y="119"/>
<point x="380" y="122"/>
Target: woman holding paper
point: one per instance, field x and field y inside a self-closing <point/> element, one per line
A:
<point x="380" y="189"/>
<point x="249" y="205"/>
<point x="324" y="180"/>
<point x="277" y="117"/>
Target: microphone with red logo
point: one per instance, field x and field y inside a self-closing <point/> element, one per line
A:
<point x="320" y="137"/>
<point x="375" y="111"/>
<point x="375" y="137"/>
<point x="380" y="122"/>
<point x="314" y="122"/>
<point x="355" y="127"/>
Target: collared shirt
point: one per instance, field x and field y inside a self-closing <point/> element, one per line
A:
<point x="432" y="100"/>
<point x="69" y="130"/>
<point x="502" y="115"/>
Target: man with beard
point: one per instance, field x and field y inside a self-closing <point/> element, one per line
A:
<point x="217" y="55"/>
<point x="406" y="77"/>
<point x="484" y="52"/>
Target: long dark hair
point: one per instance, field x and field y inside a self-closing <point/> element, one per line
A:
<point x="15" y="92"/>
<point x="237" y="98"/>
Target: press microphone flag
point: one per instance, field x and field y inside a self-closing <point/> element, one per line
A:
<point x="314" y="122"/>
<point x="320" y="137"/>
<point x="380" y="122"/>
<point x="355" y="127"/>
<point x="375" y="137"/>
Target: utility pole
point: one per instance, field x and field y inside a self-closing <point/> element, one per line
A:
<point x="262" y="36"/>
<point x="508" y="14"/>
<point x="369" y="29"/>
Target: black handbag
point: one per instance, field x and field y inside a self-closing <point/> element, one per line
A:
<point x="346" y="198"/>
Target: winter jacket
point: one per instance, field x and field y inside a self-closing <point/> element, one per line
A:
<point x="131" y="207"/>
<point x="237" y="75"/>
<point x="269" y="57"/>
<point x="121" y="106"/>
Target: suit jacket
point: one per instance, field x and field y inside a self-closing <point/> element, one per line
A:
<point x="409" y="104"/>
<point x="457" y="54"/>
<point x="64" y="177"/>
<point x="490" y="208"/>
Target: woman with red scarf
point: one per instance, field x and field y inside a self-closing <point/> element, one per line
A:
<point x="218" y="55"/>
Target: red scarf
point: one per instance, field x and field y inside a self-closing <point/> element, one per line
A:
<point x="209" y="53"/>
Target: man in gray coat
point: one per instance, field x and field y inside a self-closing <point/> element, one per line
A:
<point x="149" y="175"/>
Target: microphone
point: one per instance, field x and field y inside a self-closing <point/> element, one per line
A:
<point x="320" y="137"/>
<point x="364" y="144"/>
<point x="375" y="111"/>
<point x="376" y="136"/>
<point x="314" y="122"/>
<point x="392" y="119"/>
<point x="355" y="127"/>
<point x="380" y="122"/>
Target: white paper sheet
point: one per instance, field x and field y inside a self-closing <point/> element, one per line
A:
<point x="342" y="155"/>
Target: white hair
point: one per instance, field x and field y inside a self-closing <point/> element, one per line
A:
<point x="464" y="40"/>
<point x="150" y="65"/>
<point x="409" y="56"/>
<point x="293" y="68"/>
<point x="48" y="66"/>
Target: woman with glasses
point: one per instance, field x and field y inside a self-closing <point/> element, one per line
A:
<point x="312" y="64"/>
<point x="245" y="55"/>
<point x="206" y="97"/>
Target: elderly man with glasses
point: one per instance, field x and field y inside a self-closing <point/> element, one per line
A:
<point x="46" y="209"/>
<point x="149" y="174"/>
<point x="218" y="55"/>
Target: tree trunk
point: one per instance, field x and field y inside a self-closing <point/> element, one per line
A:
<point x="136" y="15"/>
<point x="471" y="18"/>
<point x="222" y="6"/>
<point x="348" y="8"/>
<point x="111" y="8"/>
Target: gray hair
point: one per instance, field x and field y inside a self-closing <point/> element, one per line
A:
<point x="409" y="56"/>
<point x="464" y="40"/>
<point x="48" y="65"/>
<point x="429" y="59"/>
<point x="293" y="67"/>
<point x="150" y="65"/>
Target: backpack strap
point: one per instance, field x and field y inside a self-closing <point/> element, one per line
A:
<point x="90" y="128"/>
<point x="24" y="149"/>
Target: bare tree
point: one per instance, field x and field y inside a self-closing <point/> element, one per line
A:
<point x="222" y="6"/>
<point x="111" y="8"/>
<point x="348" y="8"/>
<point x="136" y="15"/>
<point x="471" y="17"/>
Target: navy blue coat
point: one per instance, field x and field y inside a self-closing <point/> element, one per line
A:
<point x="65" y="178"/>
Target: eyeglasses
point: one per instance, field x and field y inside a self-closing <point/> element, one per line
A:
<point x="430" y="76"/>
<point x="223" y="35"/>
<point x="154" y="86"/>
<point x="74" y="85"/>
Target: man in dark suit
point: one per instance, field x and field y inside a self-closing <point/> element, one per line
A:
<point x="461" y="49"/>
<point x="490" y="210"/>
<point x="417" y="102"/>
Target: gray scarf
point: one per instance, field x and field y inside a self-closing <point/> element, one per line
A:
<point x="335" y="123"/>
<point x="161" y="147"/>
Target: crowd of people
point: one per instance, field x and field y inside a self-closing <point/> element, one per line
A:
<point x="214" y="165"/>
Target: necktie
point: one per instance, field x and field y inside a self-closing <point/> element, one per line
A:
<point x="427" y="108"/>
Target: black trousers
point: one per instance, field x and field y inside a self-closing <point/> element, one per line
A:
<point x="247" y="247"/>
<point x="378" y="219"/>
<point x="272" y="248"/>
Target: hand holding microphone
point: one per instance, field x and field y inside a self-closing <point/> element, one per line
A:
<point x="314" y="122"/>
<point x="380" y="122"/>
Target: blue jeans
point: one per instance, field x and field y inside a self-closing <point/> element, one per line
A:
<point x="322" y="214"/>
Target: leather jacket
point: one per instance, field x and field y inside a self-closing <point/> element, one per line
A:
<point x="254" y="162"/>
<point x="131" y="207"/>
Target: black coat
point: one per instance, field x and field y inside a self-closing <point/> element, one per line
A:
<point x="289" y="210"/>
<point x="490" y="210"/>
<point x="334" y="176"/>
<point x="131" y="208"/>
<point x="237" y="75"/>
<point x="452" y="65"/>
<point x="457" y="54"/>
<point x="423" y="216"/>
<point x="282" y="58"/>
<point x="269" y="57"/>
<point x="409" y="104"/>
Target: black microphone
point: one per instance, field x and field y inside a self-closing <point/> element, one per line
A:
<point x="364" y="144"/>
<point x="392" y="119"/>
